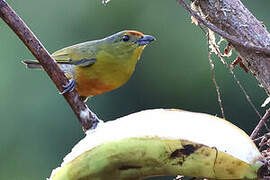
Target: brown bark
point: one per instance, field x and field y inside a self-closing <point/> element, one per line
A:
<point x="234" y="18"/>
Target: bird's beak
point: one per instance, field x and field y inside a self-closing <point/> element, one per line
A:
<point x="146" y="39"/>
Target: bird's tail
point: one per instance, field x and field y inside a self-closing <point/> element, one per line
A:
<point x="32" y="64"/>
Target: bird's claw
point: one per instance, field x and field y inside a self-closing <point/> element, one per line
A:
<point x="69" y="87"/>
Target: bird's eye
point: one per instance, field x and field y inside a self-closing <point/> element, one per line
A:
<point x="125" y="38"/>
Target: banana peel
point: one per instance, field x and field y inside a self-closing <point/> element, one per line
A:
<point x="162" y="142"/>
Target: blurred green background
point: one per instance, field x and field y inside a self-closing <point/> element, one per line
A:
<point x="38" y="128"/>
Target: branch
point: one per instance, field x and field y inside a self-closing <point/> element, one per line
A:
<point x="85" y="116"/>
<point x="233" y="39"/>
<point x="260" y="124"/>
<point x="234" y="22"/>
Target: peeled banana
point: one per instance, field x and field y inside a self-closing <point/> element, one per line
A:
<point x="162" y="142"/>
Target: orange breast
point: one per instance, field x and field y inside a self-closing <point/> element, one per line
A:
<point x="90" y="87"/>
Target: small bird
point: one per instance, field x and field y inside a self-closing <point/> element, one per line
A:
<point x="99" y="66"/>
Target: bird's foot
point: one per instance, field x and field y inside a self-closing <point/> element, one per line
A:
<point x="69" y="87"/>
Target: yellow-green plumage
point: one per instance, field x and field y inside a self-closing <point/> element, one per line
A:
<point x="102" y="65"/>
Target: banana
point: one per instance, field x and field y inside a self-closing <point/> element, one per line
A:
<point x="162" y="142"/>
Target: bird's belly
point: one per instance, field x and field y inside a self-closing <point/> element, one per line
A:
<point x="90" y="87"/>
<point x="103" y="76"/>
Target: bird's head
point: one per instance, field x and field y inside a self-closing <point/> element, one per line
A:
<point x="128" y="42"/>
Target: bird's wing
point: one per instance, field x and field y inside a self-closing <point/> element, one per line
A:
<point x="78" y="55"/>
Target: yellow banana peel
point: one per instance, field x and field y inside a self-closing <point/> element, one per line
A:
<point x="162" y="142"/>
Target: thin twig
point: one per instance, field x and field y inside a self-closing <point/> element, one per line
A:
<point x="244" y="91"/>
<point x="211" y="63"/>
<point x="261" y="138"/>
<point x="235" y="78"/>
<point x="232" y="39"/>
<point x="215" y="82"/>
<point x="85" y="116"/>
<point x="260" y="125"/>
<point x="238" y="83"/>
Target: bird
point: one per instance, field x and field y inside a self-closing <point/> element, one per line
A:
<point x="99" y="66"/>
